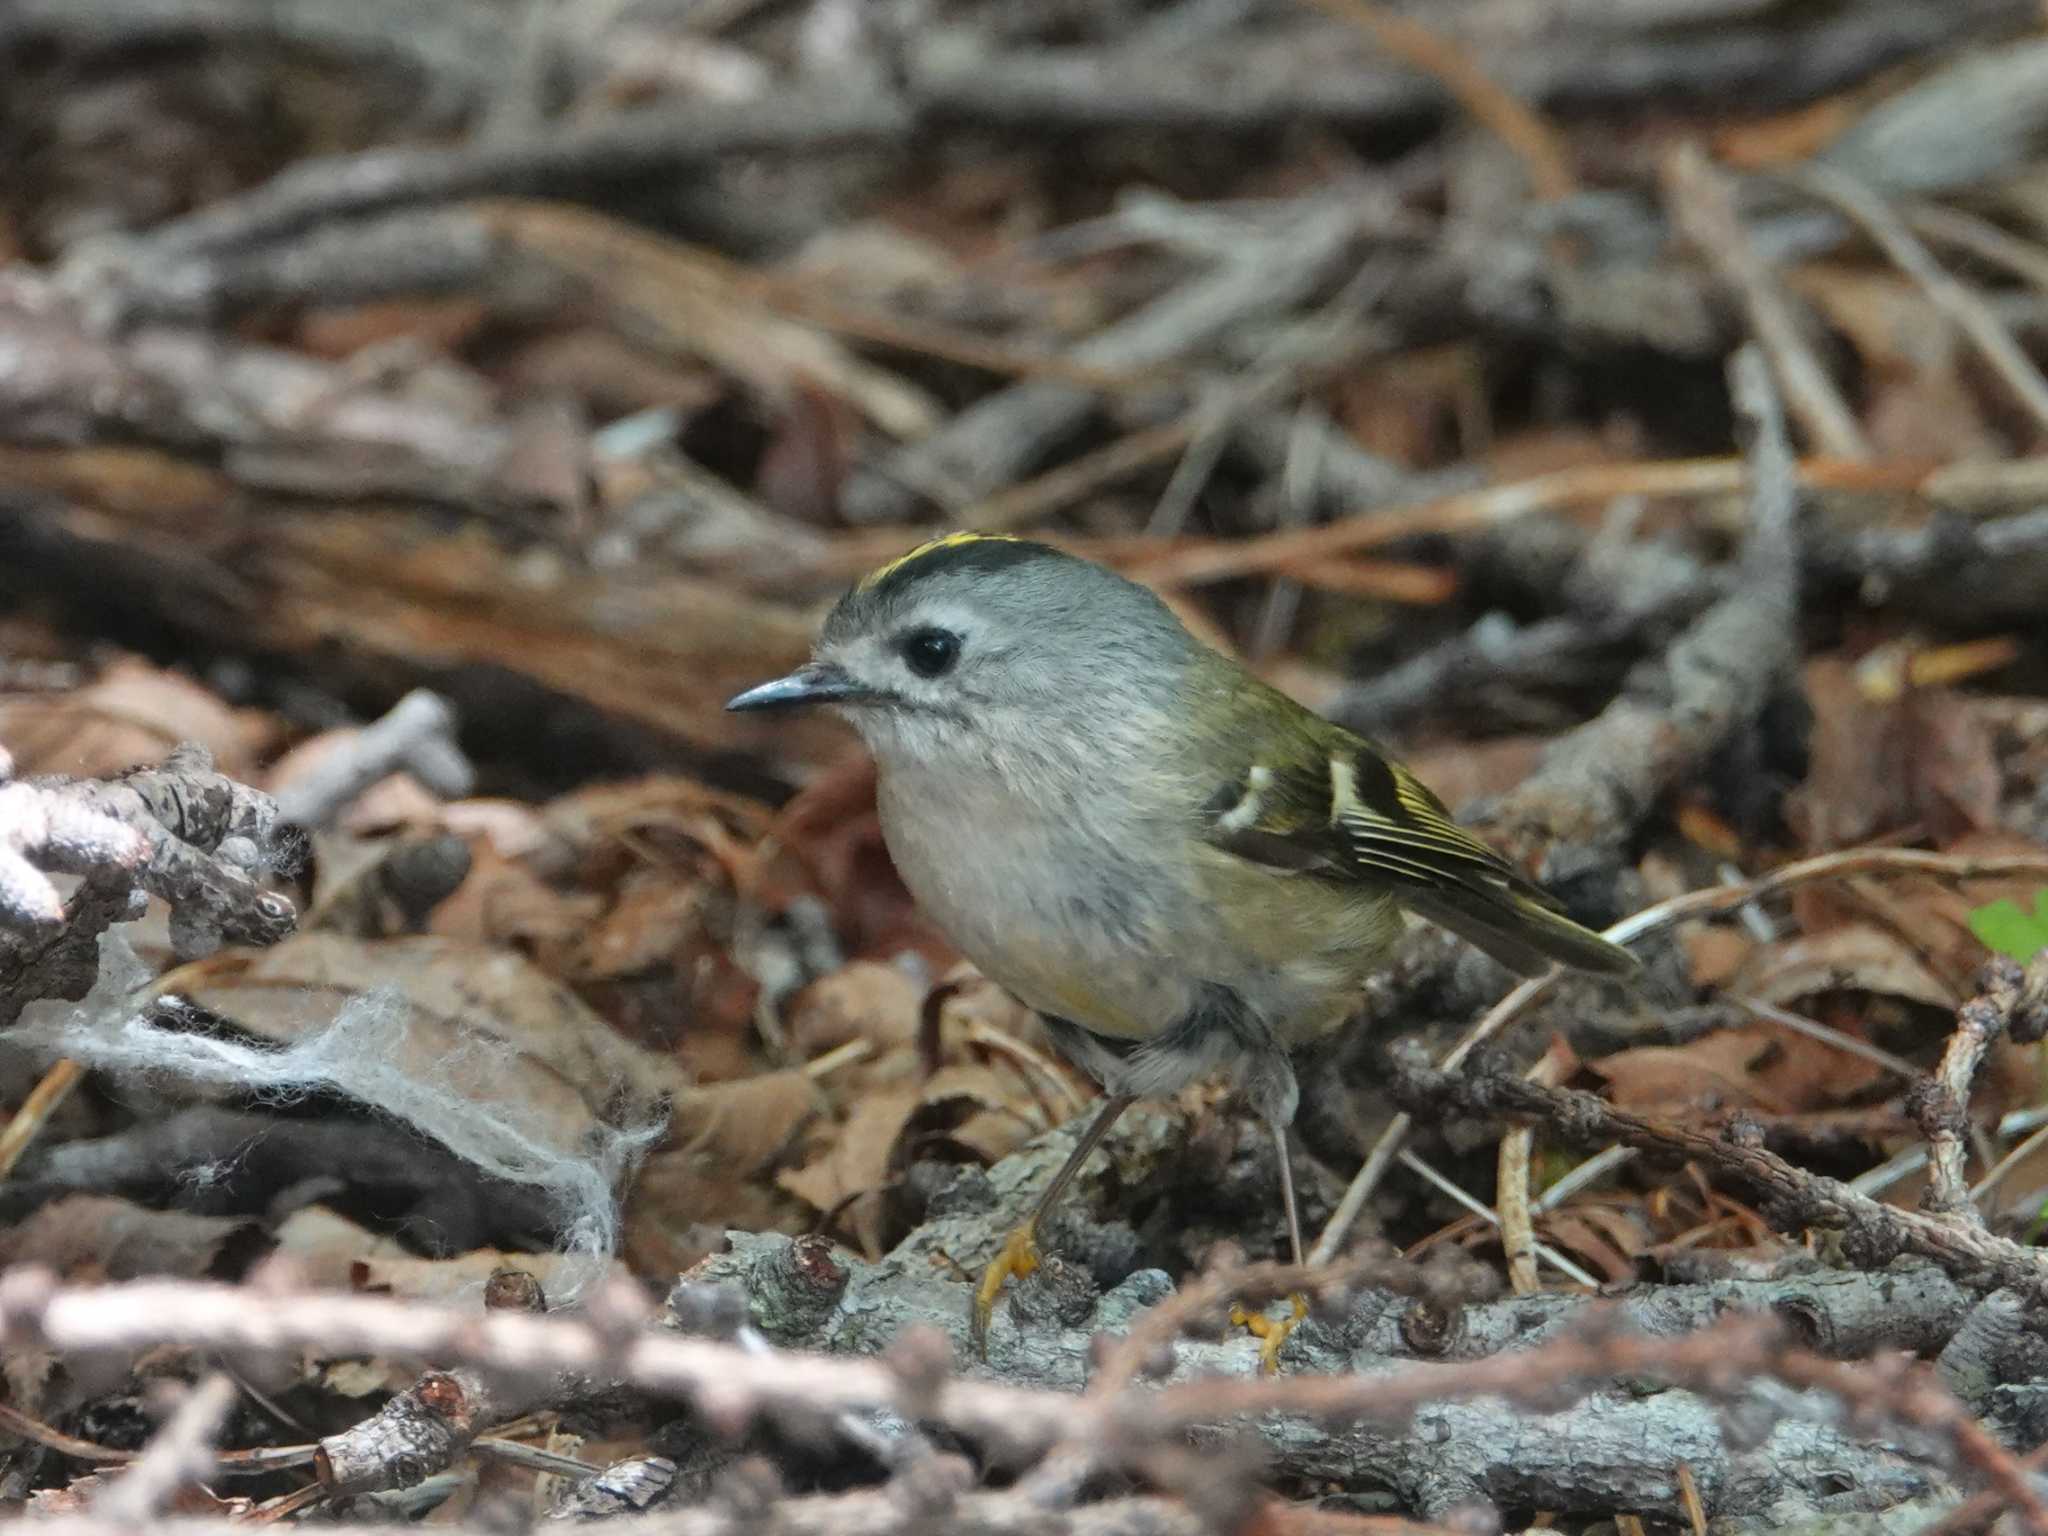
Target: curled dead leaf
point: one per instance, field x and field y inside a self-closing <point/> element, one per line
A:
<point x="1763" y="1067"/>
<point x="332" y="1252"/>
<point x="97" y="1237"/>
<point x="745" y="1125"/>
<point x="858" y="1159"/>
<point x="1851" y="957"/>
<point x="485" y="1023"/>
<point x="130" y="715"/>
<point x="716" y="1172"/>
<point x="654" y="918"/>
<point x="864" y="1000"/>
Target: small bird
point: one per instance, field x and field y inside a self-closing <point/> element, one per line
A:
<point x="1177" y="866"/>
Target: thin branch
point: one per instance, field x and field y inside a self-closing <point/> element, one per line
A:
<point x="181" y="1455"/>
<point x="1703" y="206"/>
<point x="416" y="735"/>
<point x="729" y="1387"/>
<point x="1827" y="1034"/>
<point x="43" y="1100"/>
<point x="1540" y="147"/>
<point x="1943" y="1104"/>
<point x="1872" y="1233"/>
<point x="1972" y="316"/>
<point x="1476" y="1207"/>
<point x="1511" y="1187"/>
<point x="1988" y="1185"/>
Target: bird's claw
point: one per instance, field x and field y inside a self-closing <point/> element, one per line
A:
<point x="1019" y="1257"/>
<point x="1271" y="1333"/>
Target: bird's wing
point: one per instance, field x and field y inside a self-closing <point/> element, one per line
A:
<point x="1344" y="812"/>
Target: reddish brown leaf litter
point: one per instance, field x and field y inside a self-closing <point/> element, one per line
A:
<point x="403" y="458"/>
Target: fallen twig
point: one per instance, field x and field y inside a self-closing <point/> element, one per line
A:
<point x="644" y="142"/>
<point x="1587" y="1443"/>
<point x="1703" y="206"/>
<point x="416" y="735"/>
<point x="987" y="445"/>
<point x="180" y="1455"/>
<point x="1972" y="316"/>
<point x="179" y="831"/>
<point x="2008" y="1002"/>
<point x="1872" y="1233"/>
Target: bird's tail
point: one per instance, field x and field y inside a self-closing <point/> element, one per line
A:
<point x="1523" y="930"/>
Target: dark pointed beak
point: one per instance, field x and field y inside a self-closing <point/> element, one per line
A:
<point x="816" y="682"/>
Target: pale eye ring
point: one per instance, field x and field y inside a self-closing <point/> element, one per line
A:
<point x="930" y="651"/>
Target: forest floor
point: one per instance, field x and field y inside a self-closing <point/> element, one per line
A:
<point x="451" y="1070"/>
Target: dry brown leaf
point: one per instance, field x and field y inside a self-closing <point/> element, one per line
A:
<point x="679" y="1210"/>
<point x="503" y="903"/>
<point x="1577" y="1232"/>
<point x="1714" y="952"/>
<point x="1932" y="417"/>
<point x="1887" y="317"/>
<point x="1856" y="776"/>
<point x="863" y="1000"/>
<point x="859" y="1159"/>
<point x="986" y="1108"/>
<point x="332" y="1252"/>
<point x="1808" y="1074"/>
<point x="745" y="1125"/>
<point x="1884" y="755"/>
<point x="662" y="816"/>
<point x="992" y="1135"/>
<point x="1850" y="957"/>
<point x="81" y="1495"/>
<point x="486" y="1022"/>
<point x="512" y="828"/>
<point x="714" y="1174"/>
<point x="1419" y="408"/>
<point x="975" y="1002"/>
<point x="1712" y="1072"/>
<point x="1956" y="757"/>
<point x="805" y="464"/>
<point x="1623" y="1225"/>
<point x="90" y="1238"/>
<point x="1762" y="1066"/>
<point x="132" y="714"/>
<point x="1920" y="405"/>
<point x="657" y="916"/>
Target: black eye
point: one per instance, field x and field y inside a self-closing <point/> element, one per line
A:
<point x="930" y="652"/>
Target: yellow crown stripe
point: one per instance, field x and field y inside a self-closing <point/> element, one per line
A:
<point x="932" y="547"/>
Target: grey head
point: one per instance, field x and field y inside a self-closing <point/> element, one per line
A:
<point x="991" y="647"/>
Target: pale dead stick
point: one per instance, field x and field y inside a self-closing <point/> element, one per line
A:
<point x="35" y="1112"/>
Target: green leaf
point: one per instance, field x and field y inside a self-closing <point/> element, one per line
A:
<point x="2011" y="930"/>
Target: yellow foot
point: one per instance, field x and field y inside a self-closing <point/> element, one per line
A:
<point x="1019" y="1257"/>
<point x="1270" y="1334"/>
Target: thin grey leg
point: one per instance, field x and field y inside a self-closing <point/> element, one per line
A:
<point x="1106" y="1117"/>
<point x="1019" y="1255"/>
<point x="1287" y="1188"/>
